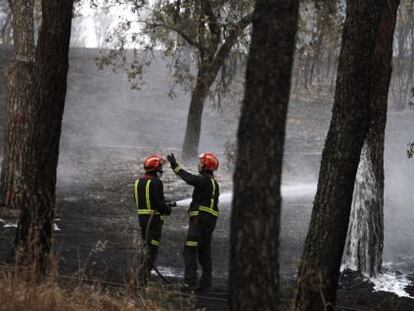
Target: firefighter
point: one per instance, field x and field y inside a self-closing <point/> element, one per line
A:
<point x="203" y="212"/>
<point x="151" y="208"/>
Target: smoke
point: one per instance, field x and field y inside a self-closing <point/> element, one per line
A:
<point x="106" y="123"/>
<point x="108" y="127"/>
<point x="94" y="23"/>
<point x="399" y="194"/>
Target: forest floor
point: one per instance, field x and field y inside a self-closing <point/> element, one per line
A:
<point x="97" y="234"/>
<point x="107" y="131"/>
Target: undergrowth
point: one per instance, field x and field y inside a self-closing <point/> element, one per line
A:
<point x="16" y="293"/>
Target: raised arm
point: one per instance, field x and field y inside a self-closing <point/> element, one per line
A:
<point x="191" y="179"/>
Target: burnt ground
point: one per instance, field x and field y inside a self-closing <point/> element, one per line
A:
<point x="98" y="236"/>
<point x="105" y="137"/>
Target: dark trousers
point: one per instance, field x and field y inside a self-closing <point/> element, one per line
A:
<point x="151" y="243"/>
<point x="198" y="247"/>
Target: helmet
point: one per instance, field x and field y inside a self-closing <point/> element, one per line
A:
<point x="153" y="163"/>
<point x="209" y="161"/>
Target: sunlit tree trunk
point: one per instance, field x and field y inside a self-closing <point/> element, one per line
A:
<point x="255" y="221"/>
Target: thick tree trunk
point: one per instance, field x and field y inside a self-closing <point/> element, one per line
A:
<point x="21" y="101"/>
<point x="319" y="268"/>
<point x="198" y="98"/>
<point x="34" y="236"/>
<point x="255" y="221"/>
<point x="366" y="231"/>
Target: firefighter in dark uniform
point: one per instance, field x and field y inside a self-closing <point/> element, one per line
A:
<point x="203" y="214"/>
<point x="151" y="208"/>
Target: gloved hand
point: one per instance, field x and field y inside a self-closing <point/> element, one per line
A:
<point x="171" y="203"/>
<point x="166" y="211"/>
<point x="167" y="207"/>
<point x="172" y="160"/>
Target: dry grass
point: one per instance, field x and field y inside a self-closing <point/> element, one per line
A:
<point x="16" y="294"/>
<point x="9" y="213"/>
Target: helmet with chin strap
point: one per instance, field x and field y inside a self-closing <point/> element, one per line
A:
<point x="154" y="163"/>
<point x="209" y="161"/>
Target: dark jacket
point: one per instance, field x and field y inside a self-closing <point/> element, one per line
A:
<point x="206" y="193"/>
<point x="150" y="192"/>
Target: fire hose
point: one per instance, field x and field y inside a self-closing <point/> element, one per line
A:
<point x="147" y="242"/>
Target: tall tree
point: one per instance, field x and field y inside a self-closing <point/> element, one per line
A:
<point x="317" y="280"/>
<point x="21" y="101"/>
<point x="213" y="50"/>
<point x="366" y="230"/>
<point x="210" y="29"/>
<point x="255" y="221"/>
<point x="35" y="229"/>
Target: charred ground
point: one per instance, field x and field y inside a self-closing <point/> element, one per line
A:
<point x="109" y="128"/>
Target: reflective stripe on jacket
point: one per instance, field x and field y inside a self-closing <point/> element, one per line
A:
<point x="206" y="192"/>
<point x="149" y="195"/>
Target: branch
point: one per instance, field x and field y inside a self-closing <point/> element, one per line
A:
<point x="212" y="22"/>
<point x="177" y="11"/>
<point x="177" y="30"/>
<point x="231" y="40"/>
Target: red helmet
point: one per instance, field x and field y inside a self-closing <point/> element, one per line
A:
<point x="209" y="161"/>
<point x="153" y="162"/>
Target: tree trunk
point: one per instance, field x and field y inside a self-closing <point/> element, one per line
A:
<point x="193" y="131"/>
<point x="366" y="231"/>
<point x="400" y="67"/>
<point x="319" y="268"/>
<point x="212" y="58"/>
<point x="255" y="221"/>
<point x="21" y="101"/>
<point x="306" y="72"/>
<point x="34" y="236"/>
<point x="330" y="57"/>
<point x="409" y="84"/>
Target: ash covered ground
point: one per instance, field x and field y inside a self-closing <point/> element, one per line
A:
<point x="108" y="129"/>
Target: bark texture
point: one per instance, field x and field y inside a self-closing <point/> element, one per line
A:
<point x="21" y="101"/>
<point x="34" y="237"/>
<point x="255" y="221"/>
<point x="319" y="268"/>
<point x="365" y="239"/>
